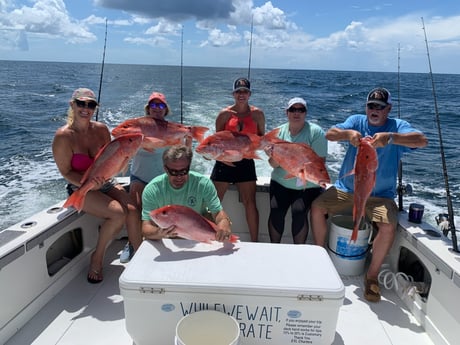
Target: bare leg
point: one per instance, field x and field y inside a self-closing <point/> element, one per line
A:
<point x="319" y="225"/>
<point x="380" y="248"/>
<point x="221" y="188"/>
<point x="101" y="205"/>
<point x="133" y="216"/>
<point x="135" y="191"/>
<point x="247" y="192"/>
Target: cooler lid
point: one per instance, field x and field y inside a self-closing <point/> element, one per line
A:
<point x="240" y="268"/>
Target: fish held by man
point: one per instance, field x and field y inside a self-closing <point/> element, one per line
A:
<point x="160" y="133"/>
<point x="188" y="223"/>
<point x="366" y="164"/>
<point x="228" y="147"/>
<point x="301" y="161"/>
<point x="109" y="161"/>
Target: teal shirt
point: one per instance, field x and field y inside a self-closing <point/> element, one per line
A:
<point x="198" y="193"/>
<point x="311" y="134"/>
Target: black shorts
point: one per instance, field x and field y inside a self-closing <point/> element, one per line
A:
<point x="243" y="171"/>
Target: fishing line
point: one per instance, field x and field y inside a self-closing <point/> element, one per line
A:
<point x="102" y="71"/>
<point x="250" y="49"/>
<point x="443" y="158"/>
<point x="400" y="164"/>
<point x="181" y="75"/>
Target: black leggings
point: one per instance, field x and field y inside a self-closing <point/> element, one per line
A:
<point x="281" y="198"/>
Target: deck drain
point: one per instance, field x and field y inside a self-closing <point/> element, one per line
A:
<point x="28" y="225"/>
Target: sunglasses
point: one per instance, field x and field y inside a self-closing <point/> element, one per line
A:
<point x="174" y="172"/>
<point x="83" y="104"/>
<point x="154" y="105"/>
<point x="375" y="106"/>
<point x="297" y="110"/>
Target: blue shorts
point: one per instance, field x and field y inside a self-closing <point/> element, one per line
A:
<point x="104" y="189"/>
<point x="243" y="171"/>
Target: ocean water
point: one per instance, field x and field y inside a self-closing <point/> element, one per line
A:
<point x="34" y="101"/>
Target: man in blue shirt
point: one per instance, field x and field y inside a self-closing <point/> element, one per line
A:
<point x="391" y="138"/>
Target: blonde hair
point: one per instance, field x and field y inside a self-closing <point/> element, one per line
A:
<point x="177" y="152"/>
<point x="70" y="116"/>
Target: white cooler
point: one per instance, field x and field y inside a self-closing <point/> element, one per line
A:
<point x="278" y="293"/>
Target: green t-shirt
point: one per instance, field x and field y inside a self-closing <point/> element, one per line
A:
<point x="198" y="193"/>
<point x="312" y="135"/>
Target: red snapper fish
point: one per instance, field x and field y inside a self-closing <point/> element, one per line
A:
<point x="159" y="133"/>
<point x="366" y="164"/>
<point x="228" y="147"/>
<point x="109" y="161"/>
<point x="299" y="160"/>
<point x="188" y="223"/>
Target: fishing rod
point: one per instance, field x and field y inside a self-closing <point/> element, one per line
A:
<point x="102" y="70"/>
<point x="400" y="164"/>
<point x="181" y="74"/>
<point x="250" y="48"/>
<point x="450" y="209"/>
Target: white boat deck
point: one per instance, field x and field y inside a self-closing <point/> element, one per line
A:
<point x="83" y="313"/>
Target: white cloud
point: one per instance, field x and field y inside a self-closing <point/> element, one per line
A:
<point x="46" y="18"/>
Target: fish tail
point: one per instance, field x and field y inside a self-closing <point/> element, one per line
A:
<point x="198" y="133"/>
<point x="269" y="138"/>
<point x="354" y="234"/>
<point x="76" y="200"/>
<point x="233" y="238"/>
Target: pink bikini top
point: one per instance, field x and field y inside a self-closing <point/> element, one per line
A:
<point x="81" y="162"/>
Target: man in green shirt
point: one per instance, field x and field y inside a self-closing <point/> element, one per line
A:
<point x="180" y="186"/>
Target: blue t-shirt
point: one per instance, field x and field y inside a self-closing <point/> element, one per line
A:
<point x="312" y="135"/>
<point x="388" y="156"/>
<point x="197" y="193"/>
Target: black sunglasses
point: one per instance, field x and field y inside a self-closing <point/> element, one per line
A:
<point x="83" y="104"/>
<point x="297" y="110"/>
<point x="154" y="105"/>
<point x="375" y="106"/>
<point x="174" y="172"/>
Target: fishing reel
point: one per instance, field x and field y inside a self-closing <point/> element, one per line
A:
<point x="442" y="220"/>
<point x="405" y="189"/>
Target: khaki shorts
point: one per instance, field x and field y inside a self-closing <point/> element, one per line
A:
<point x="378" y="210"/>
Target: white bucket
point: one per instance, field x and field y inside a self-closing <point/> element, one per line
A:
<point x="348" y="257"/>
<point x="207" y="327"/>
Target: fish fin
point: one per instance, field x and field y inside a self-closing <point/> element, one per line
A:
<point x="234" y="238"/>
<point x="124" y="169"/>
<point x="198" y="133"/>
<point x="252" y="155"/>
<point x="354" y="234"/>
<point x="351" y="172"/>
<point x="270" y="138"/>
<point x="151" y="143"/>
<point x="75" y="200"/>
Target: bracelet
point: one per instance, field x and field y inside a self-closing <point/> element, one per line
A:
<point x="228" y="219"/>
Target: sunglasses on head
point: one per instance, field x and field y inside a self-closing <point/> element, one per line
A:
<point x="83" y="104"/>
<point x="154" y="105"/>
<point x="174" y="172"/>
<point x="375" y="106"/>
<point x="297" y="110"/>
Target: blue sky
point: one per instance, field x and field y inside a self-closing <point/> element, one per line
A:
<point x="293" y="34"/>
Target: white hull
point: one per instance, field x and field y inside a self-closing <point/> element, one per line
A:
<point x="63" y="308"/>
